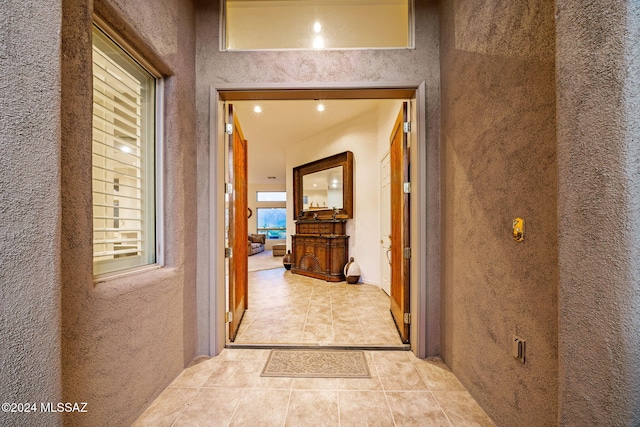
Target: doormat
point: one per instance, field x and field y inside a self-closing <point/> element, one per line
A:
<point x="316" y="364"/>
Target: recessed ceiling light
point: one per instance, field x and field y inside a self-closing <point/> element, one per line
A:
<point x="320" y="107"/>
<point x="317" y="27"/>
<point x="257" y="109"/>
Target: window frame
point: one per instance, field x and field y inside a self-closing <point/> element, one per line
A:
<point x="158" y="157"/>
<point x="222" y="47"/>
<point x="271" y="192"/>
<point x="266" y="230"/>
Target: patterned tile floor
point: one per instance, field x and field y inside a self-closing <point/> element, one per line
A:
<point x="286" y="308"/>
<point x="228" y="390"/>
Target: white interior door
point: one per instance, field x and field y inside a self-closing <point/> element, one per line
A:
<point x="385" y="223"/>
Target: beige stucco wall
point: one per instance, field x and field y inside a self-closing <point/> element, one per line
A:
<point x="598" y="69"/>
<point x="499" y="163"/>
<point x="124" y="340"/>
<point x="30" y="212"/>
<point x="117" y="344"/>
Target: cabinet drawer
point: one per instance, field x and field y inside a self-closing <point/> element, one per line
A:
<point x="316" y="227"/>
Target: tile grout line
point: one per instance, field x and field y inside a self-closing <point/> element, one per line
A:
<point x="186" y="405"/>
<point x="286" y="412"/>
<point x="441" y="408"/>
<point x="338" y="402"/>
<point x="384" y="391"/>
<point x="235" y="409"/>
<point x="433" y="395"/>
<point x="306" y="316"/>
<point x="333" y="329"/>
<point x="386" y="399"/>
<point x="358" y="317"/>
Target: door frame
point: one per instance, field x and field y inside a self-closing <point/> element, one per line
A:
<point x="425" y="330"/>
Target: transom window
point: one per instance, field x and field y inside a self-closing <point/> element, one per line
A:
<point x="317" y="24"/>
<point x="271" y="196"/>
<point x="124" y="142"/>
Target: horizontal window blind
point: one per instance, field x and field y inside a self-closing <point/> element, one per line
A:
<point x="123" y="160"/>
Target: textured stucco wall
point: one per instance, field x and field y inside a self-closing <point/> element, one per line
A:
<point x="598" y="78"/>
<point x="125" y="339"/>
<point x="30" y="208"/>
<point x="310" y="67"/>
<point x="499" y="163"/>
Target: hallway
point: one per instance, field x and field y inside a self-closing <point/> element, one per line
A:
<point x="286" y="308"/>
<point x="228" y="390"/>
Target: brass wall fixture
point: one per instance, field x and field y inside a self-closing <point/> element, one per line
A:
<point x="518" y="230"/>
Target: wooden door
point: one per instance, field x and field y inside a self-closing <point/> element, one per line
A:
<point x="400" y="237"/>
<point x="238" y="233"/>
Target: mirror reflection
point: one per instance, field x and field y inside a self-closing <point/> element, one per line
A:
<point x="332" y="195"/>
<point x="323" y="189"/>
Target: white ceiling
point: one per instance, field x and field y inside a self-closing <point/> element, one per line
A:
<point x="283" y="123"/>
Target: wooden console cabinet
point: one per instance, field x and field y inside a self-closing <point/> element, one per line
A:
<point x="320" y="249"/>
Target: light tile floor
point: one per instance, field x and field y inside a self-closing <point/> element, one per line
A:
<point x="228" y="390"/>
<point x="286" y="308"/>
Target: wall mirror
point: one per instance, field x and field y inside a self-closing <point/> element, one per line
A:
<point x="324" y="185"/>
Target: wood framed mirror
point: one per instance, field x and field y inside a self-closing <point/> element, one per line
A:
<point x="323" y="189"/>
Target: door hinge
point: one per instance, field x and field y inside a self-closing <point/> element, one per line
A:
<point x="228" y="188"/>
<point x="407" y="253"/>
<point x="228" y="128"/>
<point x="407" y="318"/>
<point x="228" y="317"/>
<point x="407" y="188"/>
<point x="406" y="126"/>
<point x="228" y="252"/>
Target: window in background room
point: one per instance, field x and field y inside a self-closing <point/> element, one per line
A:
<point x="271" y="196"/>
<point x="317" y="24"/>
<point x="124" y="143"/>
<point x="272" y="222"/>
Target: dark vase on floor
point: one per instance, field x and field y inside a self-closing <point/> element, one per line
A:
<point x="286" y="260"/>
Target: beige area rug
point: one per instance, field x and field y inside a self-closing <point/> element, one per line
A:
<point x="317" y="364"/>
<point x="264" y="261"/>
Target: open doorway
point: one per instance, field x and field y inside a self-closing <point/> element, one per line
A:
<point x="347" y="133"/>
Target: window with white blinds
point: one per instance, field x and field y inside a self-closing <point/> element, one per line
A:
<point x="123" y="159"/>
